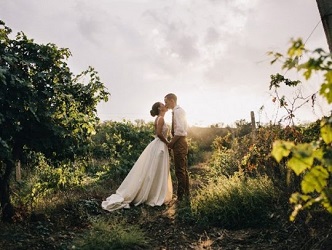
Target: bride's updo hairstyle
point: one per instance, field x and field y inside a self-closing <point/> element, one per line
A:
<point x="155" y="109"/>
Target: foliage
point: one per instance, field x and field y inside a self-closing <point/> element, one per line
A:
<point x="194" y="154"/>
<point x="205" y="136"/>
<point x="44" y="181"/>
<point x="200" y="140"/>
<point x="111" y="234"/>
<point x="243" y="128"/>
<point x="311" y="132"/>
<point x="49" y="179"/>
<point x="114" y="149"/>
<point x="223" y="162"/>
<point x="113" y="138"/>
<point x="43" y="106"/>
<point x="227" y="152"/>
<point x="311" y="160"/>
<point x="257" y="160"/>
<point x="251" y="156"/>
<point x="295" y="52"/>
<point x="235" y="202"/>
<point x="119" y="145"/>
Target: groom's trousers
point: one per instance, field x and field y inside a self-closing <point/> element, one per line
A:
<point x="180" y="152"/>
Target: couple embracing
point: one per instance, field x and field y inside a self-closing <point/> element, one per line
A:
<point x="149" y="180"/>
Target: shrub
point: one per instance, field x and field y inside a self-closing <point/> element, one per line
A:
<point x="118" y="145"/>
<point x="44" y="178"/>
<point x="195" y="156"/>
<point x="222" y="162"/>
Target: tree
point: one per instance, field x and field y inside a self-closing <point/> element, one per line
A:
<point x="43" y="106"/>
<point x="312" y="161"/>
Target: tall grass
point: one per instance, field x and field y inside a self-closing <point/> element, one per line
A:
<point x="235" y="202"/>
<point x="111" y="233"/>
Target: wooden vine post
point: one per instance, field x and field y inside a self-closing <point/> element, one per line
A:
<point x="253" y="126"/>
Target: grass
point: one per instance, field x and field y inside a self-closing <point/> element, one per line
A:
<point x="111" y="233"/>
<point x="235" y="202"/>
<point x="73" y="218"/>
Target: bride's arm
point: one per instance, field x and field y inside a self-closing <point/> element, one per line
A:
<point x="159" y="132"/>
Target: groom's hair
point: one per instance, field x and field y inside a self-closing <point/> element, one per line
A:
<point x="171" y="96"/>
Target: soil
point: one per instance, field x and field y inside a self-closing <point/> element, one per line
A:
<point x="167" y="227"/>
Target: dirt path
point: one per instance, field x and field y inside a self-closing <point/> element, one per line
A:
<point x="169" y="232"/>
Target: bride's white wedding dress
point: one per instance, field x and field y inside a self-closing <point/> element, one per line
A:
<point x="149" y="181"/>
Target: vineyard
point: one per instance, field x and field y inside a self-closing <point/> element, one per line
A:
<point x="240" y="197"/>
<point x="267" y="187"/>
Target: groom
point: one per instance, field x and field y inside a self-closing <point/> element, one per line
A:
<point x="179" y="145"/>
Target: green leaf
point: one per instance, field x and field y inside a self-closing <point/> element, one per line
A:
<point x="328" y="76"/>
<point x="326" y="131"/>
<point x="329" y="168"/>
<point x="307" y="74"/>
<point x="318" y="154"/>
<point x="326" y="91"/>
<point x="296" y="49"/>
<point x="302" y="159"/>
<point x="304" y="150"/>
<point x="327" y="199"/>
<point x="281" y="149"/>
<point x="315" y="180"/>
<point x="297" y="165"/>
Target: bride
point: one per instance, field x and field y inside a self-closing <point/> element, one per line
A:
<point x="149" y="181"/>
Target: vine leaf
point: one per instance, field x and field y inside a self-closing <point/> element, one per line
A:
<point x="315" y="180"/>
<point x="326" y="89"/>
<point x="281" y="149"/>
<point x="302" y="158"/>
<point x="326" y="131"/>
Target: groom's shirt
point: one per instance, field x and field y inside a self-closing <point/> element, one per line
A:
<point x="180" y="121"/>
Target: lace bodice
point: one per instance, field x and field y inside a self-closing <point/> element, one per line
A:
<point x="164" y="129"/>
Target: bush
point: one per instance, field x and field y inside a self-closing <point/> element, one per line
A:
<point x="195" y="156"/>
<point x="222" y="162"/>
<point x="43" y="177"/>
<point x="118" y="145"/>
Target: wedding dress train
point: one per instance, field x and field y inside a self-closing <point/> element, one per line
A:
<point x="149" y="180"/>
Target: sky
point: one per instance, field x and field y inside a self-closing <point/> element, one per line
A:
<point x="211" y="53"/>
